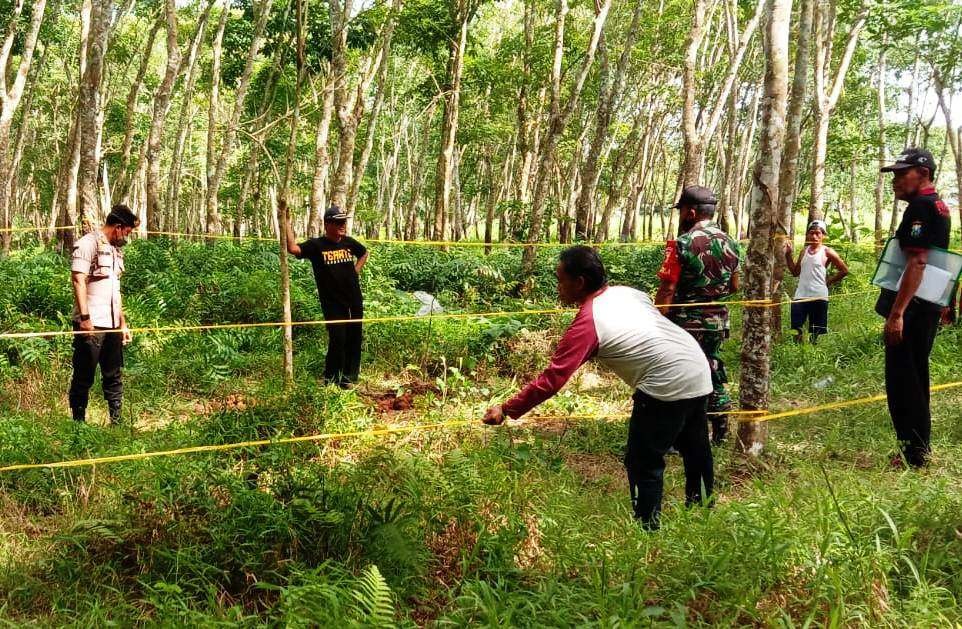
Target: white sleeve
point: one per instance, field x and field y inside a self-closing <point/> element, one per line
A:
<point x="84" y="251"/>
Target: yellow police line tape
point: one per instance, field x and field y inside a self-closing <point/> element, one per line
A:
<point x="759" y="303"/>
<point x="327" y="436"/>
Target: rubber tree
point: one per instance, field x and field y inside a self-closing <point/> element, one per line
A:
<point x="217" y="166"/>
<point x="559" y="114"/>
<point x="11" y="95"/>
<point x="88" y="106"/>
<point x="161" y="107"/>
<point x="755" y="373"/>
<point x="828" y="87"/>
<point x="700" y="122"/>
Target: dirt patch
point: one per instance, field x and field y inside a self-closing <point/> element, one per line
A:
<point x="598" y="469"/>
<point x="233" y="402"/>
<point x="400" y="399"/>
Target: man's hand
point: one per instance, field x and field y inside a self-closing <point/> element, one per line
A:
<point x="86" y="325"/>
<point x="893" y="329"/>
<point x="494" y="416"/>
<point x="127" y="336"/>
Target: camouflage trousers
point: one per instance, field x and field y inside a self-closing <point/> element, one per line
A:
<point x="720" y="400"/>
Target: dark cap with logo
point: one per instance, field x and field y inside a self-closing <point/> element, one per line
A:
<point x="910" y="158"/>
<point x="334" y="213"/>
<point x="693" y="196"/>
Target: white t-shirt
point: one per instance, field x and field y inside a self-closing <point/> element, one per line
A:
<point x="621" y="328"/>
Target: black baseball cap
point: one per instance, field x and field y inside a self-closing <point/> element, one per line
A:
<point x="910" y="158"/>
<point x="693" y="196"/>
<point x="334" y="213"/>
<point x="120" y="214"/>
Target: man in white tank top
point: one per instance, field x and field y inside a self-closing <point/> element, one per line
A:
<point x="811" y="268"/>
<point x="667" y="370"/>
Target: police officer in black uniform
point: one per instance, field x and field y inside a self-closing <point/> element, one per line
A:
<point x="911" y="323"/>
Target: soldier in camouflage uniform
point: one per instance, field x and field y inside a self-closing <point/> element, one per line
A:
<point x="701" y="266"/>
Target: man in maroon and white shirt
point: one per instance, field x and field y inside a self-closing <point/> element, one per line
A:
<point x="621" y="328"/>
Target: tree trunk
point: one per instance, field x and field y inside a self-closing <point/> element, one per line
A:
<point x="123" y="174"/>
<point x="558" y="120"/>
<point x="212" y="219"/>
<point x="756" y="336"/>
<point x="285" y="187"/>
<point x="828" y="90"/>
<point x="788" y="171"/>
<point x="10" y="101"/>
<point x="161" y="107"/>
<point x="381" y="89"/>
<point x="350" y="104"/>
<point x="183" y="120"/>
<point x="525" y="121"/>
<point x="880" y="179"/>
<point x="240" y="95"/>
<point x="695" y="135"/>
<point x="953" y="135"/>
<point x="322" y="160"/>
<point x="449" y="125"/>
<point x="88" y="105"/>
<point x="610" y="93"/>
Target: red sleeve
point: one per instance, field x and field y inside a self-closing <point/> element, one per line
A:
<point x="670" y="269"/>
<point x="577" y="346"/>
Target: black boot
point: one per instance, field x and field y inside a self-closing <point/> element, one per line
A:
<point x="114" y="411"/>
<point x="79" y="414"/>
<point x="719" y="429"/>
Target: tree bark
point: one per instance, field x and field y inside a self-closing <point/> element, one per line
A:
<point x="161" y="107"/>
<point x="213" y="104"/>
<point x="88" y="104"/>
<point x="183" y="120"/>
<point x="451" y="101"/>
<point x="214" y="221"/>
<point x="880" y="179"/>
<point x="322" y="159"/>
<point x="695" y="135"/>
<point x="349" y="105"/>
<point x="788" y="171"/>
<point x="828" y="90"/>
<point x="610" y="94"/>
<point x="123" y="176"/>
<point x="953" y="135"/>
<point x="288" y="363"/>
<point x="381" y="88"/>
<point x="757" y="336"/>
<point x="10" y="100"/>
<point x="558" y="120"/>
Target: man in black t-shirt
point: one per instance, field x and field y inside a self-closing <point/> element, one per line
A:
<point x="337" y="260"/>
<point x="911" y="323"/>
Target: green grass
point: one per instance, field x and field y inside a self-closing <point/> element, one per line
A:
<point x="517" y="526"/>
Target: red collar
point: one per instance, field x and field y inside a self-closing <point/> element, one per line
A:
<point x="929" y="190"/>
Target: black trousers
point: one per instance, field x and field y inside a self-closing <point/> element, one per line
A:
<point x="343" y="364"/>
<point x="89" y="350"/>
<point x="656" y="426"/>
<point x="907" y="384"/>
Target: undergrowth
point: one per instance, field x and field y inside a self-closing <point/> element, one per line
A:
<point x="524" y="525"/>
